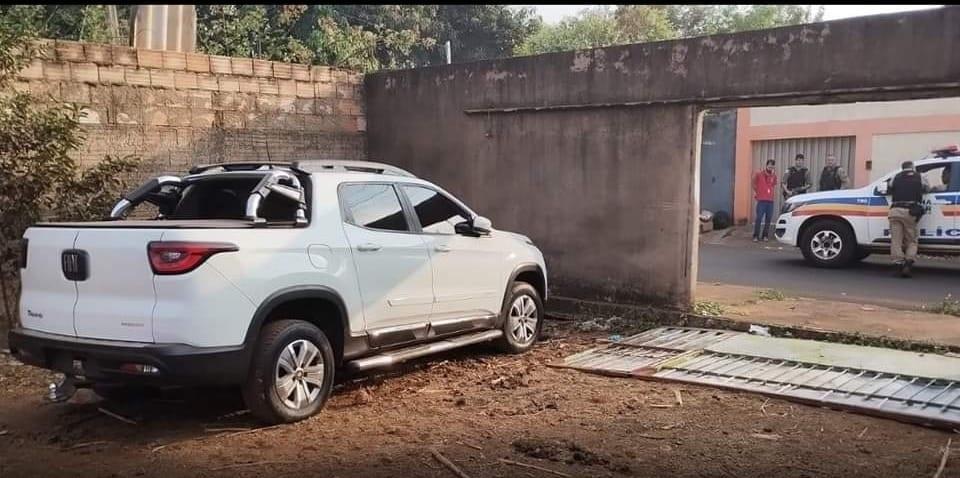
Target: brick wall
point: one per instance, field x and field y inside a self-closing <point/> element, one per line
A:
<point x="177" y="109"/>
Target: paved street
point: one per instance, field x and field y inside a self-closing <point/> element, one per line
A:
<point x="768" y="265"/>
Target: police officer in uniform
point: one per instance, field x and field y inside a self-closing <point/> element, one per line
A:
<point x="907" y="189"/>
<point x="833" y="176"/>
<point x="797" y="179"/>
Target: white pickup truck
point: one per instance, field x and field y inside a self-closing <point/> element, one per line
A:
<point x="837" y="228"/>
<point x="274" y="277"/>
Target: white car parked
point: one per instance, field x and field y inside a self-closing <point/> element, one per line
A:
<point x="837" y="228"/>
<point x="274" y="276"/>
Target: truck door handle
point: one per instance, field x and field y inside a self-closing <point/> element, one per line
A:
<point x="368" y="247"/>
<point x="441" y="249"/>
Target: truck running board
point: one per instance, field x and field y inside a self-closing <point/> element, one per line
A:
<point x="393" y="357"/>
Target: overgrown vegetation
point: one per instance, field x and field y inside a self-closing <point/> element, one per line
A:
<point x="364" y="37"/>
<point x="709" y="308"/>
<point x="89" y="23"/>
<point x="948" y="306"/>
<point x="771" y="294"/>
<point x="40" y="180"/>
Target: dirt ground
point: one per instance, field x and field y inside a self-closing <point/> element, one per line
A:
<point x="744" y="304"/>
<point x="474" y="407"/>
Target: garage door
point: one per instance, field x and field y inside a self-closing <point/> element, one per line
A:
<point x="814" y="149"/>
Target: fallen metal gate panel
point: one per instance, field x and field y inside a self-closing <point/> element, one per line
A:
<point x="618" y="359"/>
<point x="678" y="338"/>
<point x="682" y="355"/>
<point x="917" y="399"/>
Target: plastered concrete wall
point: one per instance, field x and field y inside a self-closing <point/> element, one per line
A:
<point x="592" y="153"/>
<point x="177" y="109"/>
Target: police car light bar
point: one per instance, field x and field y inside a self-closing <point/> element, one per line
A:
<point x="944" y="152"/>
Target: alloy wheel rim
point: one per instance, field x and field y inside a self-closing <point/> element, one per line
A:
<point x="826" y="245"/>
<point x="523" y="319"/>
<point x="299" y="374"/>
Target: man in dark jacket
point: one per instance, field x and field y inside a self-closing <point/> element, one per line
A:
<point x="796" y="179"/>
<point x="833" y="177"/>
<point x="906" y="209"/>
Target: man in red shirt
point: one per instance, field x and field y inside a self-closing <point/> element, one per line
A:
<point x="764" y="184"/>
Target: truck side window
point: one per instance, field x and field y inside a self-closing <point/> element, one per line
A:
<point x="437" y="213"/>
<point x="375" y="206"/>
<point x="937" y="177"/>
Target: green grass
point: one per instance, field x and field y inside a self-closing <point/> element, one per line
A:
<point x="771" y="294"/>
<point x="948" y="306"/>
<point x="709" y="308"/>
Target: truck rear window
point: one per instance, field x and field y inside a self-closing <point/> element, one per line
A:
<point x="226" y="198"/>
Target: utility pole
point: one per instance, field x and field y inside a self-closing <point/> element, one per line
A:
<point x="448" y="52"/>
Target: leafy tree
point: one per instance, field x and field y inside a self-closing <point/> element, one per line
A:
<point x="231" y="30"/>
<point x="40" y="180"/>
<point x="368" y="37"/>
<point x="642" y="23"/>
<point x="594" y="27"/>
<point x="698" y="20"/>
<point x="346" y="46"/>
<point x="479" y="32"/>
<point x="403" y="32"/>
<point x="67" y="22"/>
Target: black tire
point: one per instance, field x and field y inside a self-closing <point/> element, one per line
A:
<point x="509" y="342"/>
<point x="829" y="230"/>
<point x="861" y="254"/>
<point x="260" y="391"/>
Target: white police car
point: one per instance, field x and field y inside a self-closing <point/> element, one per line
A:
<point x="837" y="228"/>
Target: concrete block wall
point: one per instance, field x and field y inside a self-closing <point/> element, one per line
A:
<point x="178" y="109"/>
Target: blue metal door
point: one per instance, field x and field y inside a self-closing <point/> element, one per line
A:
<point x="717" y="158"/>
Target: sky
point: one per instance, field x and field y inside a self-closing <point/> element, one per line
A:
<point x="555" y="13"/>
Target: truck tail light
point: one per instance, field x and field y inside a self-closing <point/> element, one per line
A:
<point x="169" y="258"/>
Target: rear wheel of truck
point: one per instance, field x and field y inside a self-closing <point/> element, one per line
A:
<point x="291" y="375"/>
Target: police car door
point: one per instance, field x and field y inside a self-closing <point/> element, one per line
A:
<point x="951" y="207"/>
<point x="938" y="226"/>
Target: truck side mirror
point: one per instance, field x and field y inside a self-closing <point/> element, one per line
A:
<point x="482" y="225"/>
<point x="479" y="226"/>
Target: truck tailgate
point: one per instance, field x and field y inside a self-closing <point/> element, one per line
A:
<point x="117" y="298"/>
<point x="47" y="298"/>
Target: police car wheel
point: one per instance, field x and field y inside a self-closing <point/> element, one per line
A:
<point x="828" y="243"/>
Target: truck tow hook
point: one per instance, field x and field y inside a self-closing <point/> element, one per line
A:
<point x="64" y="390"/>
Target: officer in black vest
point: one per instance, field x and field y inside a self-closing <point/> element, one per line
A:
<point x="906" y="209"/>
<point x="833" y="176"/>
<point x="797" y="178"/>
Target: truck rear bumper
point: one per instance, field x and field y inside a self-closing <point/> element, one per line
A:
<point x="114" y="361"/>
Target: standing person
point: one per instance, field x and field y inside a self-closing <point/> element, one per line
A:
<point x="906" y="209"/>
<point x="833" y="177"/>
<point x="764" y="183"/>
<point x="797" y="180"/>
